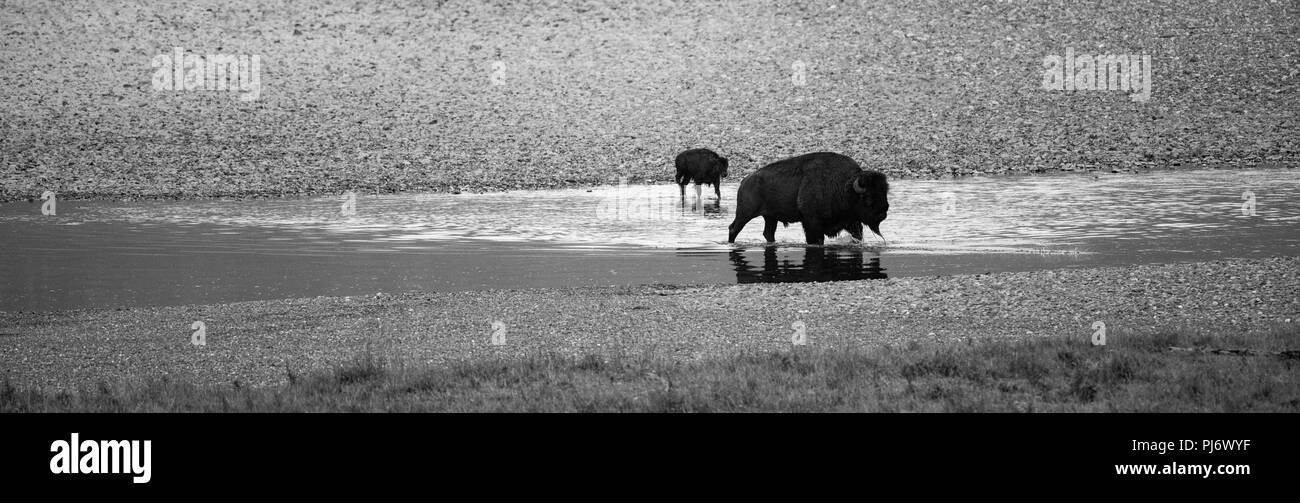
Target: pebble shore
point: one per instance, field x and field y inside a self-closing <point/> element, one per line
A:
<point x="257" y="343"/>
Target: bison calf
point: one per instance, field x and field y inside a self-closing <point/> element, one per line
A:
<point x="826" y="192"/>
<point x="701" y="165"/>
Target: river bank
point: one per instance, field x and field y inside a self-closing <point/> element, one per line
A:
<point x="489" y="96"/>
<point x="644" y="332"/>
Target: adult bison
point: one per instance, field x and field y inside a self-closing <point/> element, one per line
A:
<point x="703" y="166"/>
<point x="826" y="192"/>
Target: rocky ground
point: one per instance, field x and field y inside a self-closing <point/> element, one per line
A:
<point x="494" y="95"/>
<point x="260" y="343"/>
<point x="489" y="96"/>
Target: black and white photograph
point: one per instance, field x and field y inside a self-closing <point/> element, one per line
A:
<point x="997" y="211"/>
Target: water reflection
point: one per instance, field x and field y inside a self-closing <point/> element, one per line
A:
<point x="708" y="208"/>
<point x="817" y="264"/>
<point x="105" y="253"/>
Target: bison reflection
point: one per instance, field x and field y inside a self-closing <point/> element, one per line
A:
<point x="707" y="208"/>
<point x="819" y="264"/>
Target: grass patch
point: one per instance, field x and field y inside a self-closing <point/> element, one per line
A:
<point x="1136" y="372"/>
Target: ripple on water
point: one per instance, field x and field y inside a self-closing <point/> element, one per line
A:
<point x="528" y="234"/>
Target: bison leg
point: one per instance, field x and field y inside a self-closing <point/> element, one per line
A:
<point x="769" y="229"/>
<point x="683" y="186"/>
<point x="717" y="191"/>
<point x="812" y="231"/>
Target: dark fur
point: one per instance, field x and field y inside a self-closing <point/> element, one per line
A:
<point x="817" y="191"/>
<point x="702" y="166"/>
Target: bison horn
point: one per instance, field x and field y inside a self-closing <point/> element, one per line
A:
<point x="858" y="188"/>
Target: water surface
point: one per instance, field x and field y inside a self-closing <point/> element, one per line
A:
<point x="115" y="253"/>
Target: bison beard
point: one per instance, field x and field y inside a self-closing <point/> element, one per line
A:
<point x="826" y="192"/>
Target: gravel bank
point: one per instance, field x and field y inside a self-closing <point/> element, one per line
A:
<point x="254" y="341"/>
<point x="400" y="97"/>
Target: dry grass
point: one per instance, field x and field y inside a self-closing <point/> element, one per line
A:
<point x="1043" y="375"/>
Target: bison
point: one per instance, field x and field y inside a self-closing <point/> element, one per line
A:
<point x="703" y="166"/>
<point x="826" y="192"/>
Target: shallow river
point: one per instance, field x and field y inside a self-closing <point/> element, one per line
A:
<point x="113" y="253"/>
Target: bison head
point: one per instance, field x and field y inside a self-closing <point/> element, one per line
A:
<point x="722" y="168"/>
<point x="872" y="204"/>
